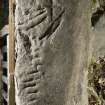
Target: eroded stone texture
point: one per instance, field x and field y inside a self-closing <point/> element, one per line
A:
<point x="98" y="31"/>
<point x="52" y="39"/>
<point x="99" y="40"/>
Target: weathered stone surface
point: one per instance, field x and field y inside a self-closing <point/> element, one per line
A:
<point x="99" y="40"/>
<point x="52" y="43"/>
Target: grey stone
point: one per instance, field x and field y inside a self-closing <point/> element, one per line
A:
<point x="52" y="48"/>
<point x="99" y="40"/>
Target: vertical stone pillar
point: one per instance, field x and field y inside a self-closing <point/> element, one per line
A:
<point x="11" y="53"/>
<point x="51" y="47"/>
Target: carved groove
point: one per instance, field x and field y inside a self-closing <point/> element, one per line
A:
<point x="39" y="12"/>
<point x="50" y="28"/>
<point x="29" y="81"/>
<point x="33" y="22"/>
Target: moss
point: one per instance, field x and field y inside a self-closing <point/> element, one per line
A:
<point x="94" y="1"/>
<point x="96" y="82"/>
<point x="94" y="5"/>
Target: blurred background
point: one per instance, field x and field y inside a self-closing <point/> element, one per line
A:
<point x="4" y="12"/>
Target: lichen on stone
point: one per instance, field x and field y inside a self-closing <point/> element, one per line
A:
<point x="96" y="82"/>
<point x="95" y="4"/>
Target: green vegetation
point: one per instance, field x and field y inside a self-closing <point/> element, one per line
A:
<point x="94" y="1"/>
<point x="96" y="82"/>
<point x="95" y="5"/>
